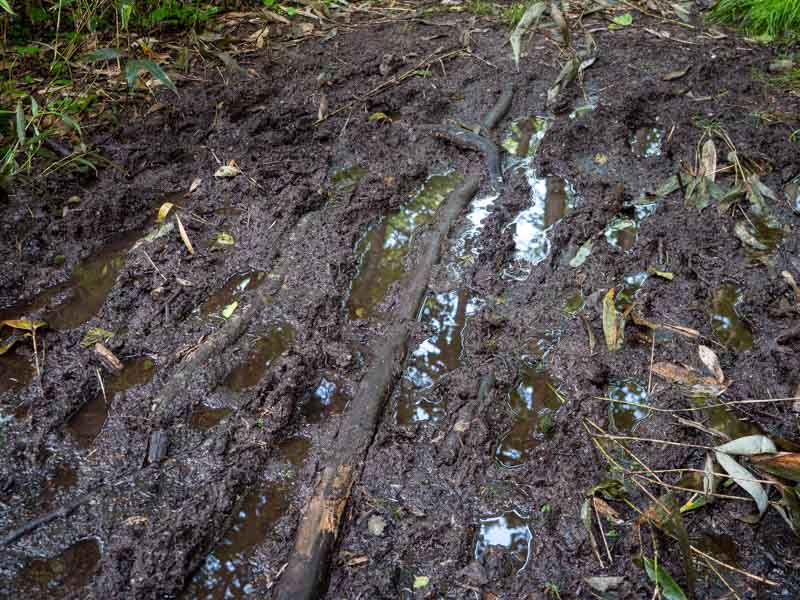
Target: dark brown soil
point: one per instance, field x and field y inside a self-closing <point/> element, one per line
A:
<point x="243" y="457"/>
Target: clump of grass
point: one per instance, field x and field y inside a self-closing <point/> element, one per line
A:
<point x="772" y="18"/>
<point x="512" y="14"/>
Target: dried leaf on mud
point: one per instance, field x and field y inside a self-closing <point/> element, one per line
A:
<point x="708" y="160"/>
<point x="711" y="361"/>
<point x="679" y="374"/>
<point x="603" y="584"/>
<point x="677" y="74"/>
<point x="613" y="323"/>
<point x="663" y="274"/>
<point x="109" y="360"/>
<point x="533" y="13"/>
<point x="668" y="187"/>
<point x="229" y="170"/>
<point x="744" y="479"/>
<point x="196" y="182"/>
<point x="748" y="445"/>
<point x="783" y="464"/>
<point x="581" y="255"/>
<point x="669" y="589"/>
<point x="184" y="235"/>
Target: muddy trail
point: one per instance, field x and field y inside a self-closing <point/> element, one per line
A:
<point x="560" y="317"/>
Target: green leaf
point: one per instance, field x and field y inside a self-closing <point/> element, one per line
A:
<point x="95" y="335"/>
<point x="533" y="13"/>
<point x="24" y="324"/>
<point x="20" y="124"/>
<point x="6" y="6"/>
<point x="420" y="581"/>
<point x="72" y="123"/>
<point x="224" y="239"/>
<point x="133" y="67"/>
<point x="228" y="311"/>
<point x="669" y="589"/>
<point x="623" y="20"/>
<point x="34" y="107"/>
<point x="103" y="54"/>
<point x="669" y="186"/>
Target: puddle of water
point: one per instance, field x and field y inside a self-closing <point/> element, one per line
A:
<point x="230" y="292"/>
<point x="525" y="136"/>
<point x="16" y="372"/>
<point x="725" y="322"/>
<point x="382" y="251"/>
<point x="510" y="531"/>
<point x="551" y="198"/>
<point x="720" y="419"/>
<point x="65" y="574"/>
<point x="585" y="105"/>
<point x="326" y="400"/>
<point x="86" y="424"/>
<point x="64" y="478"/>
<point x="346" y="179"/>
<point x="534" y="401"/>
<point x="766" y="231"/>
<point x="646" y="142"/>
<point x="467" y="240"/>
<point x="267" y="348"/>
<point x="792" y="191"/>
<point x="229" y="572"/>
<point x="204" y="417"/>
<point x="446" y="315"/>
<point x="624" y="414"/>
<point x="626" y="294"/>
<point x="622" y="232"/>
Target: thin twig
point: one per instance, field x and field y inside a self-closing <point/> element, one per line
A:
<point x="154" y="264"/>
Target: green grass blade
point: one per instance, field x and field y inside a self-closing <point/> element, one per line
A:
<point x="6" y="6"/>
<point x="20" y="124"/>
<point x="158" y="73"/>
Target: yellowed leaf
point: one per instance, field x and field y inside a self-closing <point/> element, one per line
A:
<point x="613" y="323"/>
<point x="163" y="211"/>
<point x="184" y="235"/>
<point x="711" y="361"/>
<point x="24" y="324"/>
<point x="708" y="160"/>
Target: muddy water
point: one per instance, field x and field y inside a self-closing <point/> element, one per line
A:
<point x="86" y="424"/>
<point x="525" y="136"/>
<point x="229" y="571"/>
<point x="508" y="531"/>
<point x="629" y="406"/>
<point x="205" y="417"/>
<point x="231" y="292"/>
<point x="267" y="348"/>
<point x="60" y="576"/>
<point x="726" y="324"/>
<point x="446" y="315"/>
<point x="327" y="399"/>
<point x="346" y="179"/>
<point x="383" y="250"/>
<point x="533" y="401"/>
<point x="16" y="371"/>
<point x="647" y="142"/>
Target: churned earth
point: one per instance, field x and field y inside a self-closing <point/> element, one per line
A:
<point x="485" y="476"/>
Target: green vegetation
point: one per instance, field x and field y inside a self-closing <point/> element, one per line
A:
<point x="768" y="18"/>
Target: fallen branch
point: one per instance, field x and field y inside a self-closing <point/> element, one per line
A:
<point x="316" y="536"/>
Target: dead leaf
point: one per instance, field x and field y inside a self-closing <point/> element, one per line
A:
<point x="711" y="361"/>
<point x="184" y="235"/>
<point x="111" y="362"/>
<point x="613" y="323"/>
<point x="195" y="184"/>
<point x="678" y="374"/>
<point x="677" y="74"/>
<point x="356" y="561"/>
<point x="783" y="464"/>
<point x="604" y="584"/>
<point x="708" y="160"/>
<point x="605" y="509"/>
<point x="788" y="278"/>
<point x="229" y="170"/>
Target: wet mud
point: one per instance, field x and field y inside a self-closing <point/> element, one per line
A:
<point x="478" y="493"/>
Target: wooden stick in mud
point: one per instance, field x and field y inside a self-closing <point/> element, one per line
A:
<point x="306" y="574"/>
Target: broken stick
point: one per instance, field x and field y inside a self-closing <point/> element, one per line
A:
<point x="306" y="574"/>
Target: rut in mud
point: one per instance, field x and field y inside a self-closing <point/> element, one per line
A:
<point x="241" y="361"/>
